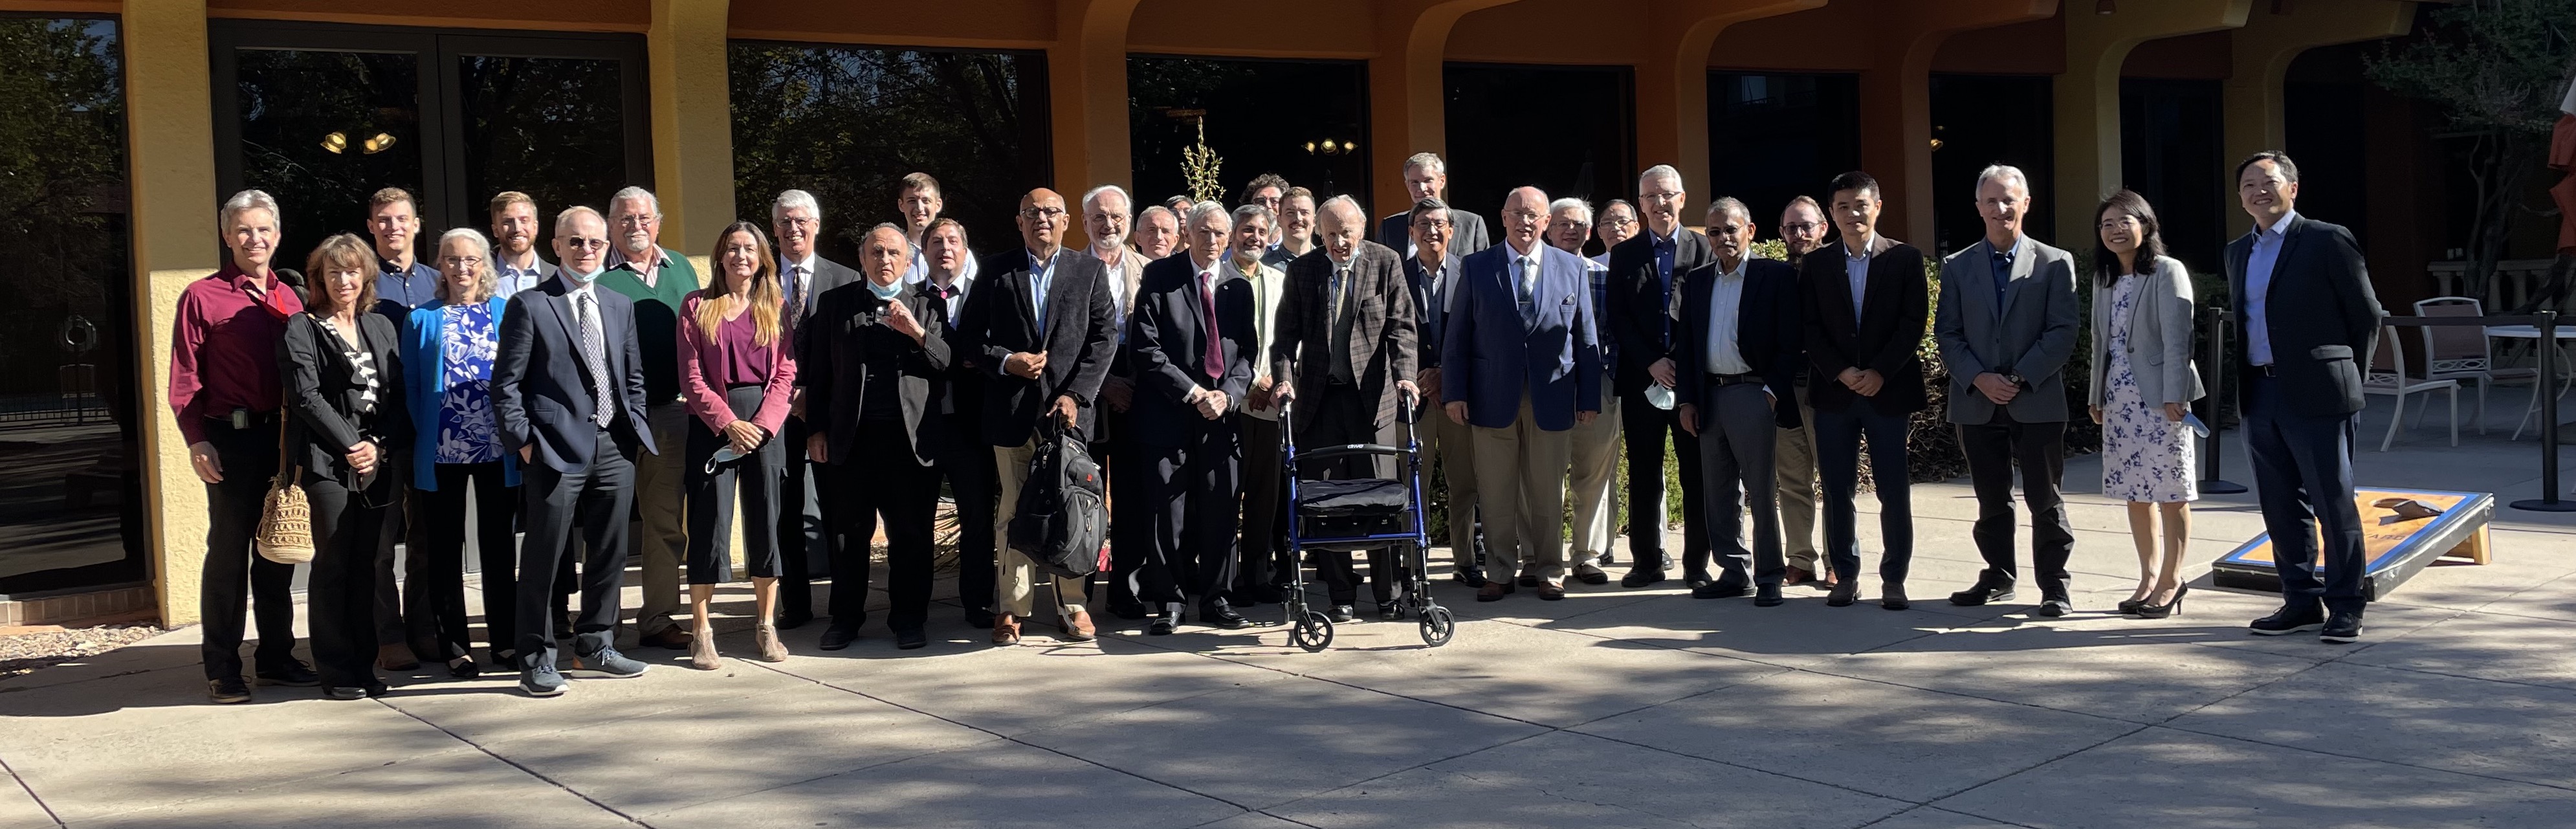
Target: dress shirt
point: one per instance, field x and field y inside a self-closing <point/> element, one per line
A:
<point x="1343" y="311"/>
<point x="648" y="270"/>
<point x="660" y="289"/>
<point x="2002" y="261"/>
<point x="1129" y="263"/>
<point x="1725" y="307"/>
<point x="224" y="354"/>
<point x="958" y="286"/>
<point x="410" y="287"/>
<point x="796" y="280"/>
<point x="919" y="270"/>
<point x="1267" y="282"/>
<point x="514" y="278"/>
<point x="1856" y="268"/>
<point x="1599" y="272"/>
<point x="1041" y="279"/>
<point x="1666" y="247"/>
<point x="1212" y="363"/>
<point x="2258" y="289"/>
<point x="1525" y="270"/>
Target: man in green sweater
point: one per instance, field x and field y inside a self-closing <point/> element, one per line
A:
<point x="659" y="281"/>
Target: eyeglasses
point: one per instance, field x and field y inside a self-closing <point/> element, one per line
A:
<point x="463" y="261"/>
<point x="1618" y="222"/>
<point x="1658" y="196"/>
<point x="1801" y="227"/>
<point x="799" y="222"/>
<point x="636" y="220"/>
<point x="1525" y="215"/>
<point x="577" y="243"/>
<point x="1428" y="223"/>
<point x="1042" y="213"/>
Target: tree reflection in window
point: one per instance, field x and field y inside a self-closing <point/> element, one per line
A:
<point x="293" y="102"/>
<point x="548" y="127"/>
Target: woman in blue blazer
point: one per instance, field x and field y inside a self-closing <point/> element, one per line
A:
<point x="450" y="344"/>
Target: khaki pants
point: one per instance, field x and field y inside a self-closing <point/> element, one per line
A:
<point x="1520" y="476"/>
<point x="1014" y="576"/>
<point x="1795" y="455"/>
<point x="664" y="540"/>
<point x="1593" y="483"/>
<point x="1452" y="447"/>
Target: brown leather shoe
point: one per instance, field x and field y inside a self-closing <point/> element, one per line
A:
<point x="669" y="639"/>
<point x="1551" y="591"/>
<point x="1494" y="590"/>
<point x="396" y="658"/>
<point x="1798" y="575"/>
<point x="1006" y="630"/>
<point x="1077" y="627"/>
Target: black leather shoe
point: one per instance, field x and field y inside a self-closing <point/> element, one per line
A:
<point x="2054" y="606"/>
<point x="1164" y="623"/>
<point x="793" y="619"/>
<point x="227" y="691"/>
<point x="1130" y="611"/>
<point x="910" y="638"/>
<point x="1390" y="612"/>
<point x="1716" y="590"/>
<point x="2288" y="620"/>
<point x="2342" y="627"/>
<point x="1268" y="594"/>
<point x="1982" y="593"/>
<point x="1892" y="596"/>
<point x="837" y="637"/>
<point x="1641" y="577"/>
<point x="1342" y="614"/>
<point x="1695" y="579"/>
<point x="1843" y="594"/>
<point x="293" y="673"/>
<point x="1471" y="577"/>
<point x="1527" y="579"/>
<point x="1767" y="596"/>
<point x="979" y="619"/>
<point x="1588" y="574"/>
<point x="1222" y="616"/>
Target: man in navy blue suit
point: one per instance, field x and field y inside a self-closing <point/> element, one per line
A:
<point x="568" y="388"/>
<point x="1190" y="343"/>
<point x="1525" y="368"/>
<point x="2308" y="318"/>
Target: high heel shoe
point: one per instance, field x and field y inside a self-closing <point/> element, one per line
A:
<point x="2172" y="607"/>
<point x="2130" y="607"/>
<point x="771" y="650"/>
<point x="702" y="650"/>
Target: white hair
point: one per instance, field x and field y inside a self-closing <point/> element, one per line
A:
<point x="566" y="217"/>
<point x="248" y="200"/>
<point x="1090" y="198"/>
<point x="1427" y="161"/>
<point x="792" y="199"/>
<point x="1729" y="206"/>
<point x="1205" y="209"/>
<point x="468" y="234"/>
<point x="1580" y="207"/>
<point x="1661" y="172"/>
<point x="1345" y="202"/>
<point x="650" y="203"/>
<point x="490" y="280"/>
<point x="1152" y="211"/>
<point x="2010" y="174"/>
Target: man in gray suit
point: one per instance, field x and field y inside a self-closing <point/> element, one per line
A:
<point x="2006" y="324"/>
<point x="1427" y="177"/>
<point x="797" y="221"/>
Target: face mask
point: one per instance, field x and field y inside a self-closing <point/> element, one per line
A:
<point x="583" y="279"/>
<point x="886" y="292"/>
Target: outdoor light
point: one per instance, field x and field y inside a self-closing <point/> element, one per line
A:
<point x="378" y="144"/>
<point x="1332" y="147"/>
<point x="1936" y="145"/>
<point x="335" y="143"/>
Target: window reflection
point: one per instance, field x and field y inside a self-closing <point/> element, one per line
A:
<point x="548" y="127"/>
<point x="293" y="102"/>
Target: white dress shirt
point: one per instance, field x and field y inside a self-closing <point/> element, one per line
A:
<point x="1725" y="306"/>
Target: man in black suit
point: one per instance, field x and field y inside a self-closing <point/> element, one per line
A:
<point x="1645" y="275"/>
<point x="1427" y="177"/>
<point x="2309" y="318"/>
<point x="1432" y="272"/>
<point x="568" y="389"/>
<point x="1865" y="313"/>
<point x="872" y="356"/>
<point x="1189" y="342"/>
<point x="1739" y="348"/>
<point x="1041" y="330"/>
<point x="797" y="221"/>
<point x="965" y="459"/>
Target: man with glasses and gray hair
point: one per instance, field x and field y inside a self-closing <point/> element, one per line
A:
<point x="658" y="281"/>
<point x="1595" y="444"/>
<point x="797" y="222"/>
<point x="1645" y="276"/>
<point x="1427" y="177"/>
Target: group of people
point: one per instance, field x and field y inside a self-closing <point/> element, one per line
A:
<point x="612" y="385"/>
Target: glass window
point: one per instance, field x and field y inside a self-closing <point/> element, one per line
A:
<point x="322" y="131"/>
<point x="846" y="123"/>
<point x="548" y="127"/>
<point x="1304" y="120"/>
<point x="1991" y="119"/>
<point x="70" y="507"/>
<point x="1591" y="155"/>
<point x="1773" y="138"/>
<point x="2170" y="148"/>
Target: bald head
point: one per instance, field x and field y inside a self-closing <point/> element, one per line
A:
<point x="1042" y="221"/>
<point x="1340" y="222"/>
<point x="1524" y="218"/>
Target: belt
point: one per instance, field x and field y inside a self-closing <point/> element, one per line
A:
<point x="1716" y="379"/>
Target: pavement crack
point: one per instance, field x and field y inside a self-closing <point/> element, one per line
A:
<point x="31" y="792"/>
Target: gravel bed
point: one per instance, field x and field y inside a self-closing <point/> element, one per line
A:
<point x="23" y="653"/>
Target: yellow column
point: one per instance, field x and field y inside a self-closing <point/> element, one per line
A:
<point x="1672" y="86"/>
<point x="1406" y="110"/>
<point x="692" y="123"/>
<point x="2088" y="95"/>
<point x="2261" y="53"/>
<point x="1087" y="93"/>
<point x="170" y="147"/>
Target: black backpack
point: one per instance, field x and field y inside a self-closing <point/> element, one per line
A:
<point x="1062" y="521"/>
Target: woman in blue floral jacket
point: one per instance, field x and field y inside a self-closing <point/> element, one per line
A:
<point x="450" y="343"/>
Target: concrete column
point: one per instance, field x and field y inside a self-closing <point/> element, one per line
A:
<point x="2261" y="52"/>
<point x="692" y="123"/>
<point x="1672" y="82"/>
<point x="1087" y="97"/>
<point x="170" y="155"/>
<point x="1896" y="98"/>
<point x="1406" y="110"/>
<point x="2088" y="95"/>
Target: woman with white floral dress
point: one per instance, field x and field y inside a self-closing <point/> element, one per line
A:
<point x="450" y="345"/>
<point x="2143" y="385"/>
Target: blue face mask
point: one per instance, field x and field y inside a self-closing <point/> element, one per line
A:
<point x="886" y="292"/>
<point x="583" y="279"/>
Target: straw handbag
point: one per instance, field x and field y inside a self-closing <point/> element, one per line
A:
<point x="285" y="531"/>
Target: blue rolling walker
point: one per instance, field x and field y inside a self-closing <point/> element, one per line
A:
<point x="1355" y="514"/>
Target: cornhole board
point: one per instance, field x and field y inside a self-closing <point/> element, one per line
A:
<point x="2397" y="547"/>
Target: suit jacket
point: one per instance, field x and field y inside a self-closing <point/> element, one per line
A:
<point x="1467" y="232"/>
<point x="1383" y="345"/>
<point x="1885" y="338"/>
<point x="1433" y="309"/>
<point x="1167" y="340"/>
<point x="1637" y="313"/>
<point x="1079" y="341"/>
<point x="322" y="393"/>
<point x="424" y="359"/>
<point x="2320" y="312"/>
<point x="539" y="389"/>
<point x="699" y="350"/>
<point x="963" y="382"/>
<point x="2159" y="341"/>
<point x="2031" y="334"/>
<point x="827" y="276"/>
<point x="1767" y="333"/>
<point x="832" y="352"/>
<point x="1490" y="354"/>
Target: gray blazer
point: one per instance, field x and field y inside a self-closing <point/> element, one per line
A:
<point x="2160" y="333"/>
<point x="2032" y="333"/>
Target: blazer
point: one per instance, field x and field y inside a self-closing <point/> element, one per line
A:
<point x="698" y="349"/>
<point x="1767" y="333"/>
<point x="1383" y="346"/>
<point x="832" y="355"/>
<point x="1432" y="307"/>
<point x="1490" y="354"/>
<point x="1167" y="340"/>
<point x="1078" y="339"/>
<point x="538" y="388"/>
<point x="2320" y="314"/>
<point x="2160" y="333"/>
<point x="424" y="352"/>
<point x="2031" y="334"/>
<point x="1268" y="283"/>
<point x="827" y="276"/>
<point x="322" y="391"/>
<point x="1467" y="232"/>
<point x="1886" y="337"/>
<point x="1637" y="314"/>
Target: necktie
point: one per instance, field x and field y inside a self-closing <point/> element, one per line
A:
<point x="1341" y="289"/>
<point x="1214" y="361"/>
<point x="1529" y="285"/>
<point x="796" y="287"/>
<point x="596" y="359"/>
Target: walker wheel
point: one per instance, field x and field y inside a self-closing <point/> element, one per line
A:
<point x="1438" y="626"/>
<point x="1313" y="633"/>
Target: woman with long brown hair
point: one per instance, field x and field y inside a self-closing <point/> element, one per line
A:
<point x="738" y="371"/>
<point x="344" y="395"/>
